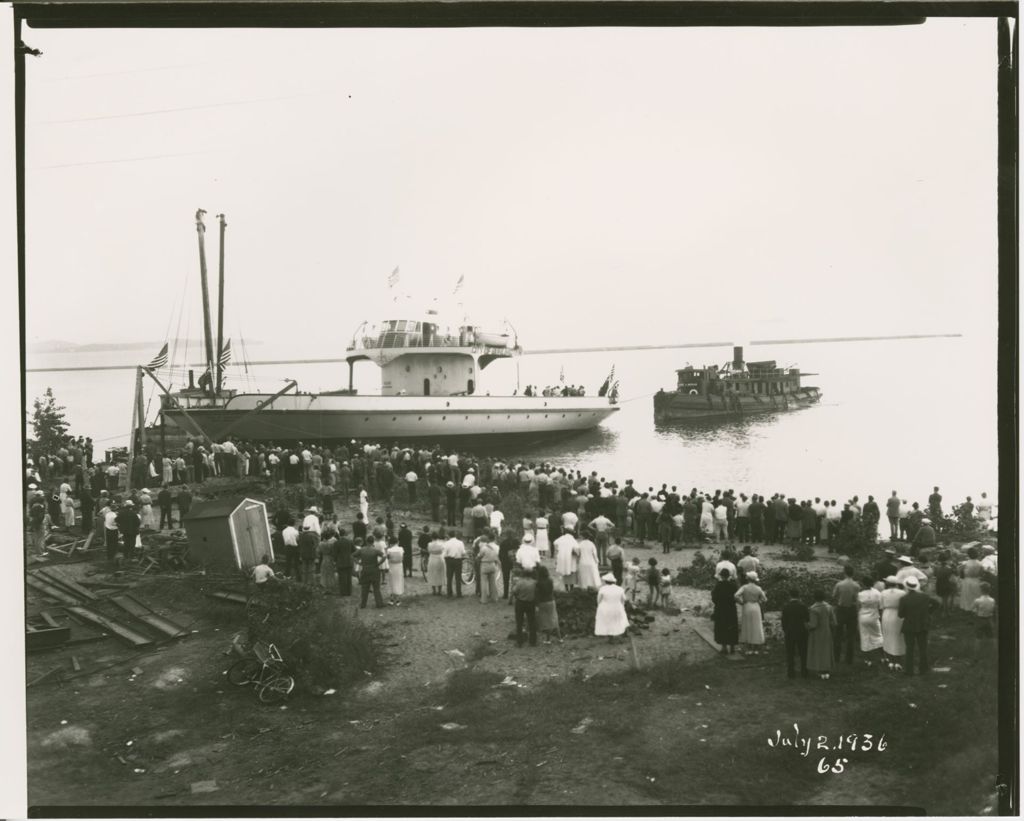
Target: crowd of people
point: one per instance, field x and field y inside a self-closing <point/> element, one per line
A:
<point x="570" y="535"/>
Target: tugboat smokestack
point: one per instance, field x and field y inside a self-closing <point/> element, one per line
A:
<point x="737" y="358"/>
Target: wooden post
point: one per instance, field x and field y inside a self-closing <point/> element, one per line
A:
<point x="220" y="303"/>
<point x="140" y="400"/>
<point x="207" y="333"/>
<point x="135" y="415"/>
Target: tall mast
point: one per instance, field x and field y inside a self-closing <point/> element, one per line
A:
<point x="220" y="303"/>
<point x="208" y="335"/>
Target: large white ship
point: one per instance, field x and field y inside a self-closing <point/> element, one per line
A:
<point x="429" y="378"/>
<point x="429" y="389"/>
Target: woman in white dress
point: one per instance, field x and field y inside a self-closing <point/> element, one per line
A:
<point x="751" y="597"/>
<point x="364" y="504"/>
<point x="869" y="619"/>
<point x="167" y="468"/>
<point x="540" y="536"/>
<point x="435" y="565"/>
<point x="396" y="578"/>
<point x="528" y="525"/>
<point x="893" y="644"/>
<point x="589" y="574"/>
<point x="567" y="552"/>
<point x="707" y="517"/>
<point x="611" y="619"/>
<point x="147" y="521"/>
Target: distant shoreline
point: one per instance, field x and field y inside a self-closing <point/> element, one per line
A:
<point x="60" y="346"/>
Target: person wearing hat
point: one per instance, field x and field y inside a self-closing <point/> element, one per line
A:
<point x="454" y="554"/>
<point x="915" y="610"/>
<point x="524" y="596"/>
<point x="611" y="619"/>
<point x="924" y="538"/>
<point x="885" y="567"/>
<point x="750" y="597"/>
<point x="892" y="512"/>
<point x="970" y="579"/>
<point x="845" y="594"/>
<point x="894" y="647"/>
<point x="945" y="581"/>
<point x="907" y="569"/>
<point x="311" y="521"/>
<point x="128" y="524"/>
<point x="567" y="552"/>
<point x="527" y="556"/>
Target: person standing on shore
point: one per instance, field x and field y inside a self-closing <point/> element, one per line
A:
<point x="725" y="619"/>
<point x="820" y="626"/>
<point x="611" y="619"/>
<point x="567" y="553"/>
<point x="795" y="617"/>
<point x="489" y="561"/>
<point x="454" y="555"/>
<point x="405" y="542"/>
<point x="506" y="558"/>
<point x="128" y="525"/>
<point x="915" y="610"/>
<point x="616" y="555"/>
<point x="751" y="597"/>
<point x="396" y="573"/>
<point x="165" y="502"/>
<point x="845" y="596"/>
<point x="588" y="571"/>
<point x="524" y="594"/>
<point x="343" y="552"/>
<point x="370" y="558"/>
<point x="935" y="505"/>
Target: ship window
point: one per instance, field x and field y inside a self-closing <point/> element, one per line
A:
<point x="394" y="418"/>
<point x="366" y="418"/>
<point x="467" y="417"/>
<point x="443" y="418"/>
<point x="419" y="419"/>
<point x="563" y="416"/>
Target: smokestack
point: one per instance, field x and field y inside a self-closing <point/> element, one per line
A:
<point x="737" y="358"/>
<point x="191" y="380"/>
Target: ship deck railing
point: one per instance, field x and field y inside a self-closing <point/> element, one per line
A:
<point x="398" y="341"/>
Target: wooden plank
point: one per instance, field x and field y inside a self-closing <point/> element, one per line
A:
<point x="107" y="585"/>
<point x="44" y="676"/>
<point x="227" y="595"/>
<point x="58" y="578"/>
<point x="50" y="590"/>
<point x="76" y="664"/>
<point x="708" y="636"/>
<point x="125" y="632"/>
<point x="47" y="637"/>
<point x="140" y="611"/>
<point x="50" y="620"/>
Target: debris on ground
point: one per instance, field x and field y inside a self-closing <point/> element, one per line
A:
<point x="451" y="725"/>
<point x="68" y="737"/>
<point x="203" y="787"/>
<point x="581" y="728"/>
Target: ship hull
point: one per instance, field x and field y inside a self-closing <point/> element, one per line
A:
<point x="681" y="407"/>
<point x="323" y="417"/>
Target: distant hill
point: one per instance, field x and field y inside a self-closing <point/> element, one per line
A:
<point x="63" y="346"/>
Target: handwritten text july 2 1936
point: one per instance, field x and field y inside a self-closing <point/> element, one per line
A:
<point x="833" y="747"/>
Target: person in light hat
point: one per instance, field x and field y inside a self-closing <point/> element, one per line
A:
<point x="311" y="520"/>
<point x="915" y="610"/>
<point x="527" y="556"/>
<point x="907" y="570"/>
<point x="611" y="619"/>
<point x="750" y="597"/>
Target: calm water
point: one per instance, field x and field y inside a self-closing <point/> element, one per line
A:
<point x="889" y="418"/>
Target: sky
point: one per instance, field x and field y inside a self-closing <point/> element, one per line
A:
<point x="593" y="186"/>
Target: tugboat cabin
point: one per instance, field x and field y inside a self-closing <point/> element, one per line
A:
<point x="762" y="378"/>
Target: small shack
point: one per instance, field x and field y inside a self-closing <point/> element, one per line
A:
<point x="226" y="532"/>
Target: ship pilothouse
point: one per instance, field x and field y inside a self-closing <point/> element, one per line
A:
<point x="426" y="358"/>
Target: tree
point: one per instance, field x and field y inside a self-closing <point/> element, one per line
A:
<point x="49" y="424"/>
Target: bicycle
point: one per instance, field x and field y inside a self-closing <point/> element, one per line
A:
<point x="265" y="671"/>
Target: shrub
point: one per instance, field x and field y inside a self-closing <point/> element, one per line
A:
<point x="700" y="573"/>
<point x="468" y="685"/>
<point x="856" y="537"/>
<point x="576" y="611"/>
<point x="321" y="643"/>
<point x="777" y="582"/>
<point x="800" y="553"/>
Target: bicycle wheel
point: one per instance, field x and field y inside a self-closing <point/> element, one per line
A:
<point x="468" y="571"/>
<point x="423" y="566"/>
<point x="277" y="689"/>
<point x="244" y="671"/>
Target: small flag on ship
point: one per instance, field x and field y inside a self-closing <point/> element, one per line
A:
<point x="393" y="279"/>
<point x="159" y="360"/>
<point x="225" y="354"/>
<point x="458" y="285"/>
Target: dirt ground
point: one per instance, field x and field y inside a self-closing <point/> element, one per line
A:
<point x="163" y="727"/>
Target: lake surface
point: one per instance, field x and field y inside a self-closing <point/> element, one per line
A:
<point x="897" y="415"/>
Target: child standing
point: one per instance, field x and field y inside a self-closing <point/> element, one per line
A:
<point x="665" y="587"/>
<point x="653" y="579"/>
<point x="631" y="573"/>
<point x="984" y="609"/>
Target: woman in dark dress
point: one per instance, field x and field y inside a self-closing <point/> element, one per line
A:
<point x="727" y="626"/>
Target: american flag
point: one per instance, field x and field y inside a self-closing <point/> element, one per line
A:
<point x="225" y="354"/>
<point x="159" y="360"/>
<point x="458" y="285"/>
<point x="393" y="278"/>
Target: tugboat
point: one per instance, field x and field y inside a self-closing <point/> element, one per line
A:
<point x="734" y="390"/>
<point x="429" y="390"/>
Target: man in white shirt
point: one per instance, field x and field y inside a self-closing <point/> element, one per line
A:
<point x="984" y="508"/>
<point x="307" y="464"/>
<point x="311" y="520"/>
<point x="569" y="521"/>
<point x="263" y="572"/>
<point x="725" y="564"/>
<point x="743" y="518"/>
<point x="527" y="556"/>
<point x="454" y="552"/>
<point x="497" y="519"/>
<point x="410" y="485"/>
<point x="721" y="516"/>
<point x="290" y="539"/>
<point x="602" y="527"/>
<point x="469" y="479"/>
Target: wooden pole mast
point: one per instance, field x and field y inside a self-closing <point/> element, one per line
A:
<point x="207" y="332"/>
<point x="220" y="303"/>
